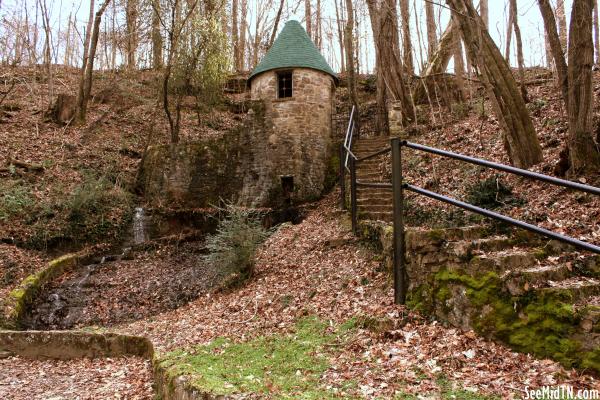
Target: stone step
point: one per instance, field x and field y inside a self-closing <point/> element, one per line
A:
<point x="577" y="288"/>
<point x="379" y="139"/>
<point x="372" y="176"/>
<point x="503" y="261"/>
<point x="375" y="207"/>
<point x="362" y="189"/>
<point x="386" y="216"/>
<point x="374" y="201"/>
<point x="370" y="167"/>
<point x="367" y="151"/>
<point x="519" y="282"/>
<point x="469" y="248"/>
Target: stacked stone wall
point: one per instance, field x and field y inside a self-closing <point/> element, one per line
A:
<point x="295" y="139"/>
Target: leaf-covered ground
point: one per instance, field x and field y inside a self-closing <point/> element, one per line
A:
<point x="119" y="378"/>
<point x="317" y="268"/>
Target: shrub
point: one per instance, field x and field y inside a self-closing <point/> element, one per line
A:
<point x="490" y="193"/>
<point x="94" y="195"/>
<point x="14" y="200"/>
<point x="460" y="110"/>
<point x="97" y="207"/>
<point x="233" y="246"/>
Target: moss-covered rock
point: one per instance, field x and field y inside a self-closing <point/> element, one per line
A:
<point x="543" y="323"/>
<point x="19" y="298"/>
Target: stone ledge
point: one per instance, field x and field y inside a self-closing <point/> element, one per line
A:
<point x="67" y="345"/>
<point x="13" y="307"/>
<point x="177" y="387"/>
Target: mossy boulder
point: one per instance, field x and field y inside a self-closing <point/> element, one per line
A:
<point x="543" y="323"/>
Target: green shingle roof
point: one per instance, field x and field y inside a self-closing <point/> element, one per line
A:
<point x="293" y="48"/>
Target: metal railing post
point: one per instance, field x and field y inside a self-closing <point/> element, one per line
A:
<point x="399" y="261"/>
<point x="342" y="177"/>
<point x="353" y="195"/>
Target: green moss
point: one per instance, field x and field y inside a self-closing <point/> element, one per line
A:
<point x="541" y="323"/>
<point x="436" y="235"/>
<point x="592" y="360"/>
<point x="540" y="253"/>
<point x="419" y="299"/>
<point x="287" y="366"/>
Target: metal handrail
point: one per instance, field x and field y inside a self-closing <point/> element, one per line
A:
<point x="398" y="185"/>
<point x="373" y="155"/>
<point x="346" y="155"/>
<point x="505" y="168"/>
<point x="491" y="214"/>
<point x="349" y="137"/>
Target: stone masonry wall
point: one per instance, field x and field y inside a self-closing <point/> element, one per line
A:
<point x="295" y="139"/>
<point x="494" y="293"/>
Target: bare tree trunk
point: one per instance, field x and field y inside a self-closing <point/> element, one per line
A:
<point x="459" y="64"/>
<point x="234" y="35"/>
<point x="556" y="47"/>
<point x="47" y="47"/>
<point x="390" y="71"/>
<point x="87" y="86"/>
<point x="243" y="30"/>
<point x="350" y="63"/>
<point x="276" y="23"/>
<point x="509" y="30"/>
<point x="308" y="18"/>
<point x="548" y="49"/>
<point x="561" y="16"/>
<point x="67" y="59"/>
<point x="131" y="19"/>
<point x="596" y="32"/>
<point x="86" y="48"/>
<point x="407" y="57"/>
<point x="174" y="30"/>
<point x="438" y="62"/>
<point x="318" y="37"/>
<point x="256" y="44"/>
<point x="432" y="40"/>
<point x="339" y="13"/>
<point x="357" y="42"/>
<point x="521" y="142"/>
<point x="157" y="39"/>
<point x="520" y="60"/>
<point x="113" y="36"/>
<point x="484" y="12"/>
<point x="584" y="155"/>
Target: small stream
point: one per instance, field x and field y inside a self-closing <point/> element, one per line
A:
<point x="135" y="284"/>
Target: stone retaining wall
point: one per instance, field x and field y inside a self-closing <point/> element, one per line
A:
<point x="470" y="292"/>
<point x="19" y="298"/>
<point x="67" y="345"/>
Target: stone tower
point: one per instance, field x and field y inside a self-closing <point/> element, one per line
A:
<point x="293" y="147"/>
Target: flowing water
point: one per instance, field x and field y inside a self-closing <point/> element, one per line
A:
<point x="139" y="226"/>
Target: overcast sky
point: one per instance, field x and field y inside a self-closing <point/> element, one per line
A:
<point x="530" y="22"/>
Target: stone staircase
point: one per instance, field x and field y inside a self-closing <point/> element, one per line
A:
<point x="536" y="295"/>
<point x="372" y="203"/>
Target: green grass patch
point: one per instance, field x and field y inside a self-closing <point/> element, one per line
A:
<point x="287" y="366"/>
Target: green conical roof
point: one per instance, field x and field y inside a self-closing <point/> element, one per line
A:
<point x="293" y="48"/>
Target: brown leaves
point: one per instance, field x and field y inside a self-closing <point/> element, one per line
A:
<point x="299" y="272"/>
<point x="122" y="378"/>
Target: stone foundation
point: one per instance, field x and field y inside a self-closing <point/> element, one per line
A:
<point x="497" y="294"/>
